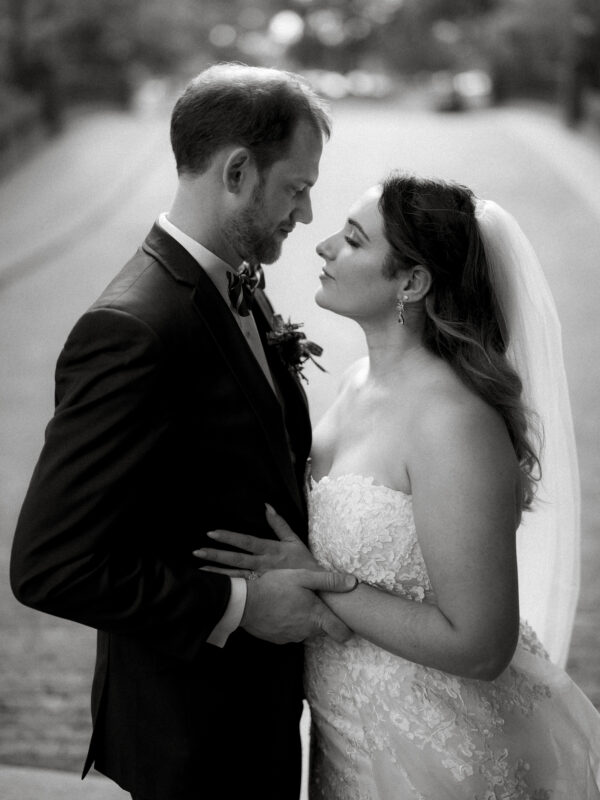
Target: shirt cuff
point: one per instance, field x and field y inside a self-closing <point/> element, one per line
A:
<point x="233" y="613"/>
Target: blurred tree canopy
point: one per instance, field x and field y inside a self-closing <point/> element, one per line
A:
<point x="64" y="50"/>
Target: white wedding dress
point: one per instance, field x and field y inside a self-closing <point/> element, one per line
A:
<point x="384" y="728"/>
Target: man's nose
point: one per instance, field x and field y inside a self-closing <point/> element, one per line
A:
<point x="303" y="212"/>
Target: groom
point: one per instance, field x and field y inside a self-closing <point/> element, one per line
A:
<point x="174" y="417"/>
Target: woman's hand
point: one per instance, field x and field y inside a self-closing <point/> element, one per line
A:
<point x="261" y="555"/>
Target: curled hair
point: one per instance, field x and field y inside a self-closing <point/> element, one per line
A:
<point x="253" y="107"/>
<point x="433" y="223"/>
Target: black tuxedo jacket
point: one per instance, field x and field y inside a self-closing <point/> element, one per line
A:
<point x="165" y="428"/>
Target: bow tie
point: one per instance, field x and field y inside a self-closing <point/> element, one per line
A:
<point x="241" y="287"/>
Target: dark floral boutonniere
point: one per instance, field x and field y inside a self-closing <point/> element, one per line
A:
<point x="293" y="346"/>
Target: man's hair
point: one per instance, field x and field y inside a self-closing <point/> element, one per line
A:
<point x="234" y="104"/>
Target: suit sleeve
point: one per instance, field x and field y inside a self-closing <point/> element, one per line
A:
<point x="75" y="554"/>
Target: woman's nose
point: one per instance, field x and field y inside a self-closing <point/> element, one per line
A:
<point x="324" y="249"/>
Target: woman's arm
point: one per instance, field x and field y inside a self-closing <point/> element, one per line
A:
<point x="463" y="476"/>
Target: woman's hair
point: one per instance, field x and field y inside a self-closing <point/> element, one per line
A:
<point x="433" y="223"/>
<point x="254" y="107"/>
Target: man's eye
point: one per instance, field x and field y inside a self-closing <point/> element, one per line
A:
<point x="351" y="242"/>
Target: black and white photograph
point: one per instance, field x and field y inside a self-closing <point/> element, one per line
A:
<point x="299" y="430"/>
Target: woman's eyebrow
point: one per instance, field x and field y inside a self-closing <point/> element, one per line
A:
<point x="360" y="228"/>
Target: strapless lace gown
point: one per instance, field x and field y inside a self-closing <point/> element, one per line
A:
<point x="387" y="729"/>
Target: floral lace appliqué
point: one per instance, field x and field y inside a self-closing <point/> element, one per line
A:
<point x="376" y="714"/>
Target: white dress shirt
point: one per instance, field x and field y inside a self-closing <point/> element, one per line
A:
<point x="217" y="270"/>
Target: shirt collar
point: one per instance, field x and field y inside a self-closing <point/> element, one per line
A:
<point x="215" y="267"/>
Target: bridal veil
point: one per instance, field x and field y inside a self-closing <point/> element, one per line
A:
<point x="548" y="538"/>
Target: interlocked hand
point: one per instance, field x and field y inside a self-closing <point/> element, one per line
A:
<point x="283" y="606"/>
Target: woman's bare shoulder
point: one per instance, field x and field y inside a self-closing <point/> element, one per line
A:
<point x="460" y="448"/>
<point x="447" y="414"/>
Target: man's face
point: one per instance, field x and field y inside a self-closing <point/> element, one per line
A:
<point x="280" y="199"/>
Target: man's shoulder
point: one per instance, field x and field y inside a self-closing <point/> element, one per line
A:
<point x="145" y="290"/>
<point x="142" y="282"/>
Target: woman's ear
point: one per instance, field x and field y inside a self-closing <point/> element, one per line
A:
<point x="237" y="169"/>
<point x="416" y="285"/>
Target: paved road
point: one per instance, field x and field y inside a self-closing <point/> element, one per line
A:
<point x="70" y="218"/>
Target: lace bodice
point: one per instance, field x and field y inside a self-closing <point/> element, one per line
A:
<point x="385" y="727"/>
<point x="368" y="530"/>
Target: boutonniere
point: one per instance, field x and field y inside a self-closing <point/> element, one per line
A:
<point x="293" y="346"/>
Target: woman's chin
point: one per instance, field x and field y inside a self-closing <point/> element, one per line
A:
<point x="320" y="299"/>
<point x="323" y="301"/>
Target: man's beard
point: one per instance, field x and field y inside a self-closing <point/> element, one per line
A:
<point x="255" y="244"/>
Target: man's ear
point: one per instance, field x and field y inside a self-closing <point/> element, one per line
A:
<point x="237" y="169"/>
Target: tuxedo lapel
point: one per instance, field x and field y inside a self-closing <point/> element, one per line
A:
<point x="295" y="401"/>
<point x="220" y="325"/>
<point x="228" y="338"/>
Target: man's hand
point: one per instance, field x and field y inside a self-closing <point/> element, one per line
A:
<point x="282" y="607"/>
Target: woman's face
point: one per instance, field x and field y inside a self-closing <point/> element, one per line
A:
<point x="352" y="282"/>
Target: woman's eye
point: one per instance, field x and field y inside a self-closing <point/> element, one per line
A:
<point x="351" y="242"/>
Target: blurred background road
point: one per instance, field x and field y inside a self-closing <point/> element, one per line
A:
<point x="82" y="181"/>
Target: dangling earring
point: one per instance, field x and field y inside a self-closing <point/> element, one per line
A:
<point x="400" y="309"/>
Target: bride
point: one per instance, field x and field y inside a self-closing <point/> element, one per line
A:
<point x="422" y="470"/>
